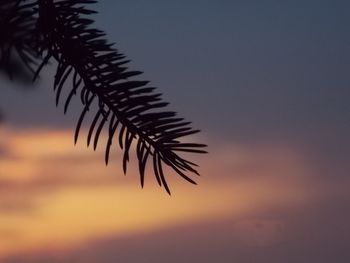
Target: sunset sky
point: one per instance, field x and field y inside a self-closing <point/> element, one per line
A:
<point x="267" y="82"/>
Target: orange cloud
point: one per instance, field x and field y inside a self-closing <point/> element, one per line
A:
<point x="69" y="202"/>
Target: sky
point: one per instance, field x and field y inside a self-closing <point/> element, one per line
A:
<point x="267" y="82"/>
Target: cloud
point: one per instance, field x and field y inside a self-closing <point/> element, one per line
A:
<point x="15" y="202"/>
<point x="316" y="233"/>
<point x="252" y="198"/>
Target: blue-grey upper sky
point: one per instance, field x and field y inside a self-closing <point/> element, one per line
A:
<point x="245" y="66"/>
<point x="242" y="71"/>
<point x="236" y="68"/>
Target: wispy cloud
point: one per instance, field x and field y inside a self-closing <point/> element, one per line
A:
<point x="56" y="197"/>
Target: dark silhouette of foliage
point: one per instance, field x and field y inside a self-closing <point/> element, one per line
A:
<point x="18" y="36"/>
<point x="129" y="109"/>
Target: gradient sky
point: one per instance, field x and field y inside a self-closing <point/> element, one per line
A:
<point x="267" y="82"/>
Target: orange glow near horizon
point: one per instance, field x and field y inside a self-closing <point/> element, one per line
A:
<point x="48" y="200"/>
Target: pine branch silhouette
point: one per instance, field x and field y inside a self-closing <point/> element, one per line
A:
<point x="129" y="110"/>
